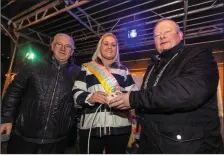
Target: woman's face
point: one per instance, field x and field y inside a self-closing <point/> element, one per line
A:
<point x="108" y="49"/>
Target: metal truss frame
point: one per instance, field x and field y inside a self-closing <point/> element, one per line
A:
<point x="87" y="37"/>
<point x="213" y="28"/>
<point x="44" y="13"/>
<point x="89" y="19"/>
<point x="95" y="23"/>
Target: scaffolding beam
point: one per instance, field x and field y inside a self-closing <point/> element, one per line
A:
<point x="8" y="75"/>
<point x="44" y="13"/>
<point x="185" y="19"/>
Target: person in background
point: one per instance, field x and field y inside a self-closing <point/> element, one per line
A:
<point x="38" y="102"/>
<point x="98" y="81"/>
<point x="178" y="99"/>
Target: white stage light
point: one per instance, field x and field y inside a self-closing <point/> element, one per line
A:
<point x="132" y="33"/>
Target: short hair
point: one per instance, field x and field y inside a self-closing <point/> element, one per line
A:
<point x="164" y="19"/>
<point x="66" y="35"/>
<point x="97" y="53"/>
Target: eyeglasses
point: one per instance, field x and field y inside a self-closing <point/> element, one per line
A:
<point x="157" y="35"/>
<point x="66" y="47"/>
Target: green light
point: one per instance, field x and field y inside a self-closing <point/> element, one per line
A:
<point x="30" y="56"/>
<point x="30" y="53"/>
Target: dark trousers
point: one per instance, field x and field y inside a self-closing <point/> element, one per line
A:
<point x="17" y="145"/>
<point x="113" y="144"/>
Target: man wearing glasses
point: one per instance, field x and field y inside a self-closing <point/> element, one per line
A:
<point x="178" y="99"/>
<point x="38" y="103"/>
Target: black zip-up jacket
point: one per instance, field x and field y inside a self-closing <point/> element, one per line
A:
<point x="39" y="101"/>
<point x="181" y="112"/>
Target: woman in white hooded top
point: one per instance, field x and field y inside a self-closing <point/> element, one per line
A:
<point x="98" y="81"/>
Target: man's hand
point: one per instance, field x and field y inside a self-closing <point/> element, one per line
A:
<point x="7" y="127"/>
<point x="120" y="102"/>
<point x="98" y="96"/>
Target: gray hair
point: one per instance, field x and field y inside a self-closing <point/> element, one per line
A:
<point x="164" y="19"/>
<point x="66" y="35"/>
<point x="97" y="53"/>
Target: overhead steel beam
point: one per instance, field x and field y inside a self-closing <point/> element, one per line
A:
<point x="210" y="26"/>
<point x="53" y="21"/>
<point x="148" y="50"/>
<point x="9" y="3"/>
<point x="117" y="19"/>
<point x="208" y="33"/>
<point x="8" y="75"/>
<point x="73" y="26"/>
<point x="112" y="20"/>
<point x="111" y="7"/>
<point x="195" y="11"/>
<point x="147" y="18"/>
<point x="83" y="23"/>
<point x="185" y="18"/>
<point x="154" y="21"/>
<point x="89" y="18"/>
<point x="43" y="13"/>
<point x="32" y="39"/>
<point x="81" y="16"/>
<point x="34" y="31"/>
<point x="31" y="9"/>
<point x="214" y="26"/>
<point x="117" y="30"/>
<point x="149" y="41"/>
<point x="147" y="59"/>
<point x="40" y="36"/>
<point x="8" y="33"/>
<point x="140" y="12"/>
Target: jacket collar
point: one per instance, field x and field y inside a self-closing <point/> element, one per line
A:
<point x="52" y="60"/>
<point x="168" y="54"/>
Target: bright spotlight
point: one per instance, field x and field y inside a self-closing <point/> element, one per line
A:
<point x="132" y="33"/>
<point x="30" y="56"/>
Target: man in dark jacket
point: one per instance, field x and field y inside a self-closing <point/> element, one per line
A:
<point x="178" y="98"/>
<point x="38" y="103"/>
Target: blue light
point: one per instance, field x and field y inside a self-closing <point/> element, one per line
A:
<point x="132" y="33"/>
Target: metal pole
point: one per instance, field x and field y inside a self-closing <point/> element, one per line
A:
<point x="8" y="33"/>
<point x="185" y="19"/>
<point x="78" y="3"/>
<point x="10" y="2"/>
<point x="8" y="75"/>
<point x="31" y="9"/>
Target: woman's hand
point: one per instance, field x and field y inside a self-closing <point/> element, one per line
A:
<point x="98" y="96"/>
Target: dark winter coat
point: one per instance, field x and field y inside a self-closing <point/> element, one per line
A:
<point x="39" y="101"/>
<point x="180" y="113"/>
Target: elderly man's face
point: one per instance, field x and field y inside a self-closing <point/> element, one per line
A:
<point x="166" y="35"/>
<point x="62" y="48"/>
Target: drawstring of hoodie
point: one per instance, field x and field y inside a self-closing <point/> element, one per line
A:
<point x="109" y="125"/>
<point x="100" y="124"/>
<point x="105" y="127"/>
